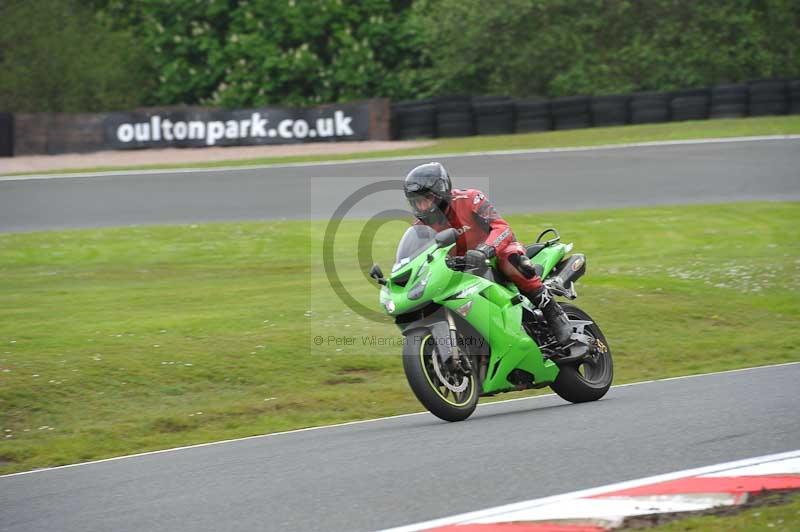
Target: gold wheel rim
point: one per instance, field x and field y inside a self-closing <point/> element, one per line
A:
<point x="436" y="388"/>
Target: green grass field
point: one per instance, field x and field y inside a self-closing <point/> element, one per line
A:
<point x="741" y="127"/>
<point x="116" y="341"/>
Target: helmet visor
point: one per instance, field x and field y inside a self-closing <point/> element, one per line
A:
<point x="421" y="203"/>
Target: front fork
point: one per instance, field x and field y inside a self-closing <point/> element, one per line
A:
<point x="444" y="332"/>
<point x="460" y="362"/>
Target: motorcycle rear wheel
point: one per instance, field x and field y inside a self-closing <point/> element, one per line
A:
<point x="590" y="379"/>
<point x="442" y="402"/>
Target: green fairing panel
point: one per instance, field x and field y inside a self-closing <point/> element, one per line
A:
<point x="492" y="314"/>
<point x="549" y="257"/>
<point x="500" y="323"/>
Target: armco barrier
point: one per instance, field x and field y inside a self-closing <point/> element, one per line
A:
<point x="450" y="116"/>
<point x="53" y="133"/>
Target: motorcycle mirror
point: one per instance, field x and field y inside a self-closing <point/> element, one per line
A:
<point x="376" y="273"/>
<point x="446" y="237"/>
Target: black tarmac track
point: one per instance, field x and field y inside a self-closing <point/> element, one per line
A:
<point x="404" y="470"/>
<point x="528" y="182"/>
<point x="398" y="471"/>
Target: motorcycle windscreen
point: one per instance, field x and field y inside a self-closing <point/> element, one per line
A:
<point x="416" y="239"/>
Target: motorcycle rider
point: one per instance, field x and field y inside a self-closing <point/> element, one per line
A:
<point x="482" y="234"/>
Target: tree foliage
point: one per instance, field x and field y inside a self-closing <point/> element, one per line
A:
<point x="59" y="55"/>
<point x="568" y="47"/>
<point x="115" y="54"/>
<point x="257" y="52"/>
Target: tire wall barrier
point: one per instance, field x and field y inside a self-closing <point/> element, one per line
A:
<point x="610" y="110"/>
<point x="794" y="97"/>
<point x="6" y="134"/>
<point x="414" y="119"/>
<point x="454" y="116"/>
<point x="769" y="97"/>
<point x="532" y="115"/>
<point x="166" y="127"/>
<point x="377" y="119"/>
<point x="571" y="113"/>
<point x="494" y="115"/>
<point x="461" y="116"/>
<point x="649" y="107"/>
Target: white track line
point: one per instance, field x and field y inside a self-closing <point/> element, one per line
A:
<point x="489" y="513"/>
<point x="363" y="421"/>
<point x="401" y="158"/>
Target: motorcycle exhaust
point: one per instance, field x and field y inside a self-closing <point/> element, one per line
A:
<point x="570" y="269"/>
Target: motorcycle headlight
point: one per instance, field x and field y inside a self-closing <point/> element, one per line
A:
<point x="386" y="301"/>
<point x="424" y="275"/>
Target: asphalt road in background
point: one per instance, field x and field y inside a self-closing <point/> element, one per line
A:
<point x="409" y="469"/>
<point x="530" y="182"/>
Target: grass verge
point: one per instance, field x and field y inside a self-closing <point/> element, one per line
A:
<point x="769" y="512"/>
<point x="741" y="127"/>
<point x="115" y="341"/>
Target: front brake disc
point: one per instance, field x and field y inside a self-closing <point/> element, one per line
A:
<point x="456" y="389"/>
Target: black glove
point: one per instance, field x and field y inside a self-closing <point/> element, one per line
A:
<point x="486" y="249"/>
<point x="475" y="259"/>
<point x="523" y="264"/>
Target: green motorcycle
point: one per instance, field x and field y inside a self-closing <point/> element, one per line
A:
<point x="471" y="333"/>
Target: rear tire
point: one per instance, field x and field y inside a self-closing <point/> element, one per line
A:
<point x="418" y="363"/>
<point x="588" y="380"/>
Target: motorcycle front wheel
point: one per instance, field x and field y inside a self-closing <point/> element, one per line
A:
<point x="443" y="388"/>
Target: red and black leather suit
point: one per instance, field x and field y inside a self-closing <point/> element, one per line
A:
<point x="476" y="221"/>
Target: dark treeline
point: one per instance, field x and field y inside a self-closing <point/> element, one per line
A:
<point x="98" y="55"/>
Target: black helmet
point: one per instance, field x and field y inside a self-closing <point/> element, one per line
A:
<point x="429" y="180"/>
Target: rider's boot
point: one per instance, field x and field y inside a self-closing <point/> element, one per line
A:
<point x="553" y="313"/>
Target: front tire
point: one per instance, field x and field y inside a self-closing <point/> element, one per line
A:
<point x="589" y="379"/>
<point x="419" y="358"/>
